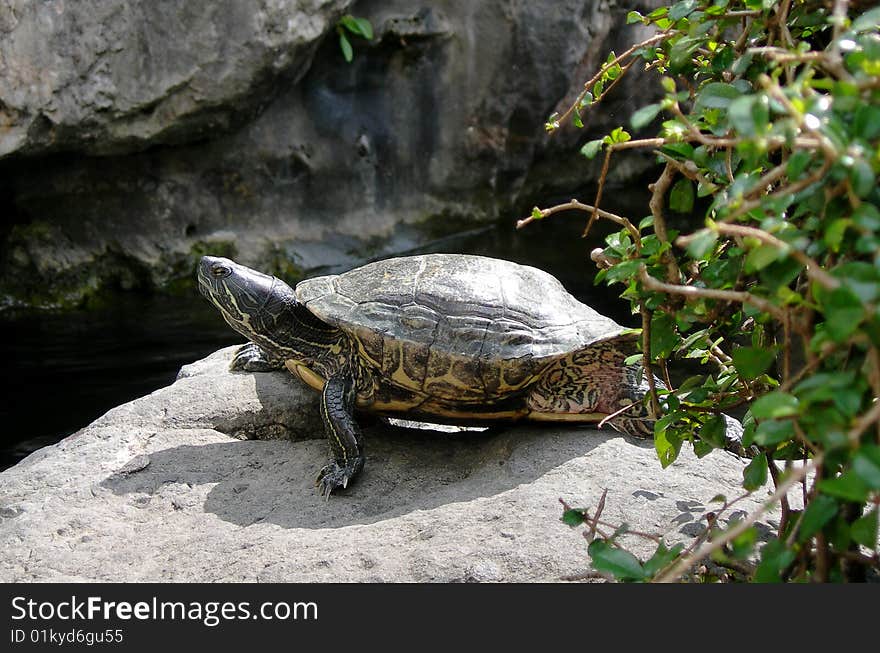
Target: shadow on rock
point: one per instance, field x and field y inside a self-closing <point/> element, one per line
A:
<point x="406" y="470"/>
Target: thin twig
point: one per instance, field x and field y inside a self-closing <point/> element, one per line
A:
<point x="692" y="292"/>
<point x="580" y="206"/>
<point x="589" y="84"/>
<point x="814" y="270"/>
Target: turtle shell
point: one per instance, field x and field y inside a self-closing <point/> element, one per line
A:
<point x="453" y="326"/>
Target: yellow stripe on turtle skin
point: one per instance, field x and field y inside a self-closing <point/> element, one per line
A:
<point x="309" y="377"/>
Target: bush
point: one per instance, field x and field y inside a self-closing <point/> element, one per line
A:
<point x="769" y="127"/>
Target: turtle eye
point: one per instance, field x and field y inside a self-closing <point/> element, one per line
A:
<point x="218" y="271"/>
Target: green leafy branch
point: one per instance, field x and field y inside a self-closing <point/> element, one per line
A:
<point x="349" y="25"/>
<point x="769" y="126"/>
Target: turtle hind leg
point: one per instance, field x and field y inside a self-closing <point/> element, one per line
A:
<point x="343" y="434"/>
<point x="251" y="357"/>
<point x="593" y="384"/>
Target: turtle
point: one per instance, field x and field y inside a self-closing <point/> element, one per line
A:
<point x="439" y="338"/>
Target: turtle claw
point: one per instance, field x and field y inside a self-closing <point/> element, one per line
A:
<point x="333" y="477"/>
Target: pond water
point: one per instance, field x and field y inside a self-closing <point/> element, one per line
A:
<point x="65" y="370"/>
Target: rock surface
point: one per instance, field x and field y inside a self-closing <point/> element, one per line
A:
<point x="117" y="76"/>
<point x="158" y="490"/>
<point x="250" y="136"/>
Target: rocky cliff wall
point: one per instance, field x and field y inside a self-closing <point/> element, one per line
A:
<point x="136" y="136"/>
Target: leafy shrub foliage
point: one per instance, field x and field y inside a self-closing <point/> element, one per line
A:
<point x="769" y="127"/>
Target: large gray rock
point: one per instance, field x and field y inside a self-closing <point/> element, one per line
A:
<point x="116" y="76"/>
<point x="283" y="155"/>
<point x="157" y="490"/>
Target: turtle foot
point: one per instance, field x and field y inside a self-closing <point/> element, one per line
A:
<point x="334" y="476"/>
<point x="251" y="358"/>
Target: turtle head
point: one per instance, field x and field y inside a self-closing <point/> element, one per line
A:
<point x="252" y="303"/>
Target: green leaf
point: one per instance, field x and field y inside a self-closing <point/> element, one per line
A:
<point x="797" y="163"/>
<point x="591" y="148"/>
<point x="576" y="119"/>
<point x="681" y="9"/>
<point x="619" y="135"/>
<point x="678" y="150"/>
<point x="347" y="50"/>
<point x="662" y="558"/>
<point x="741" y="65"/>
<point x="761" y="256"/>
<point x="860" y="277"/>
<point x="750" y="114"/>
<point x="664" y="338"/>
<point x="775" y="557"/>
<point x="716" y="95"/>
<point x="537" y="214"/>
<point x="818" y="513"/>
<point x="681" y="198"/>
<point x="666" y="446"/>
<point x="366" y="28"/>
<point x="622" y="564"/>
<point x="867" y="216"/>
<point x="752" y="362"/>
<point x="862" y="178"/>
<point x="866" y="121"/>
<point x="755" y="473"/>
<point x="843" y="313"/>
<point x="703" y="448"/>
<point x="774" y="405"/>
<point x="870" y="20"/>
<point x="681" y="52"/>
<point x="771" y="432"/>
<point x="866" y="465"/>
<point x="359" y="26"/>
<point x="744" y="543"/>
<point x="634" y="17"/>
<point x="864" y="529"/>
<point x="847" y="486"/>
<point x="713" y="431"/>
<point x="644" y="116"/>
<point x="573" y="517"/>
<point x="834" y="233"/>
<point x="623" y="271"/>
<point x="702" y="243"/>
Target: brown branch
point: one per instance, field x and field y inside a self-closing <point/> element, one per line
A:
<point x="646" y="358"/>
<point x="606" y="164"/>
<point x="789" y="189"/>
<point x="658" y="193"/>
<point x="589" y="84"/>
<point x="777" y="93"/>
<point x="814" y="270"/>
<point x="580" y="206"/>
<point x="785" y="56"/>
<point x="693" y="292"/>
<point x="773" y="142"/>
<point x="685" y="168"/>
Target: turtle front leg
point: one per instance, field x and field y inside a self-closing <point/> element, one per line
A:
<point x="253" y="358"/>
<point x="337" y="410"/>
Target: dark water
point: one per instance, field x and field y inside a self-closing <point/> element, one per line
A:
<point x="64" y="370"/>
